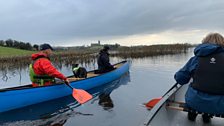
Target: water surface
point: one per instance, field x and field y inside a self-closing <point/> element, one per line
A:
<point x="115" y="104"/>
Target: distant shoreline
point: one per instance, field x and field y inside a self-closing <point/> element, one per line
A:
<point x="24" y="56"/>
<point x="86" y="56"/>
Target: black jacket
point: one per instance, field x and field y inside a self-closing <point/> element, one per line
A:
<point x="103" y="61"/>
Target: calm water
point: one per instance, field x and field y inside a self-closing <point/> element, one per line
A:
<point x="115" y="104"/>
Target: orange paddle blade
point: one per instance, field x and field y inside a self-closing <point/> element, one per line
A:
<point x="81" y="96"/>
<point x="152" y="103"/>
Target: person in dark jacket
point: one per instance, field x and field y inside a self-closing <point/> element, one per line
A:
<point x="206" y="91"/>
<point x="42" y="72"/>
<point x="103" y="61"/>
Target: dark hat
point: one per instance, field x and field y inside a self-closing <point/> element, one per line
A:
<point x="106" y="47"/>
<point x="45" y="46"/>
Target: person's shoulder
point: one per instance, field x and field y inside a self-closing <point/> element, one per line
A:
<point x="207" y="49"/>
<point x="44" y="60"/>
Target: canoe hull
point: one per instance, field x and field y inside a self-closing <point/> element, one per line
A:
<point x="161" y="115"/>
<point x="13" y="99"/>
<point x="160" y="112"/>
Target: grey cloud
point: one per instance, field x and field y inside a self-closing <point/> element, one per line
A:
<point x="56" y="20"/>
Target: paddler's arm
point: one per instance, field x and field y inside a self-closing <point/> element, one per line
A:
<point x="184" y="75"/>
<point x="50" y="70"/>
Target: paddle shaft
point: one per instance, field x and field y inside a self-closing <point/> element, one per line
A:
<point x="154" y="101"/>
<point x="69" y="86"/>
<point x="171" y="89"/>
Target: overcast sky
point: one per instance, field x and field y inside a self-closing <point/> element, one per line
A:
<point x="127" y="22"/>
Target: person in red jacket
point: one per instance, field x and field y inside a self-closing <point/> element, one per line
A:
<point x="42" y="72"/>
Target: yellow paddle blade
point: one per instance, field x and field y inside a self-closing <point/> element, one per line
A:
<point x="81" y="96"/>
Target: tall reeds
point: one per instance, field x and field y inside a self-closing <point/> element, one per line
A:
<point x="153" y="50"/>
<point x="10" y="64"/>
<point x="70" y="57"/>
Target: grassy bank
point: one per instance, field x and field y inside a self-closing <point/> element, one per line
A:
<point x="7" y="52"/>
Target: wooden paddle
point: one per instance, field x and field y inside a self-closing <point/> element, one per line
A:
<point x="80" y="95"/>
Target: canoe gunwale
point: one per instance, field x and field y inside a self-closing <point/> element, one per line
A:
<point x="159" y="105"/>
<point x="29" y="86"/>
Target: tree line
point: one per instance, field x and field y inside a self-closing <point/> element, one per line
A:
<point x="18" y="44"/>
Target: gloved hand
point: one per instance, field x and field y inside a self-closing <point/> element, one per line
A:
<point x="67" y="81"/>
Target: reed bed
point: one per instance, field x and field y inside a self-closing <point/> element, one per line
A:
<point x="68" y="58"/>
<point x="18" y="63"/>
<point x="14" y="63"/>
<point x="154" y="50"/>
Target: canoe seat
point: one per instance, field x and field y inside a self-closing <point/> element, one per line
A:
<point x="182" y="107"/>
<point x="91" y="74"/>
<point x="75" y="79"/>
<point x="117" y="65"/>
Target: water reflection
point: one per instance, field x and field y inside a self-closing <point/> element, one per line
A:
<point x="11" y="77"/>
<point x="105" y="101"/>
<point x="150" y="78"/>
<point x="15" y="67"/>
<point x="57" y="112"/>
<point x="103" y="93"/>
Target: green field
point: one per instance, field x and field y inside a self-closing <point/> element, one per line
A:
<point x="6" y="51"/>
